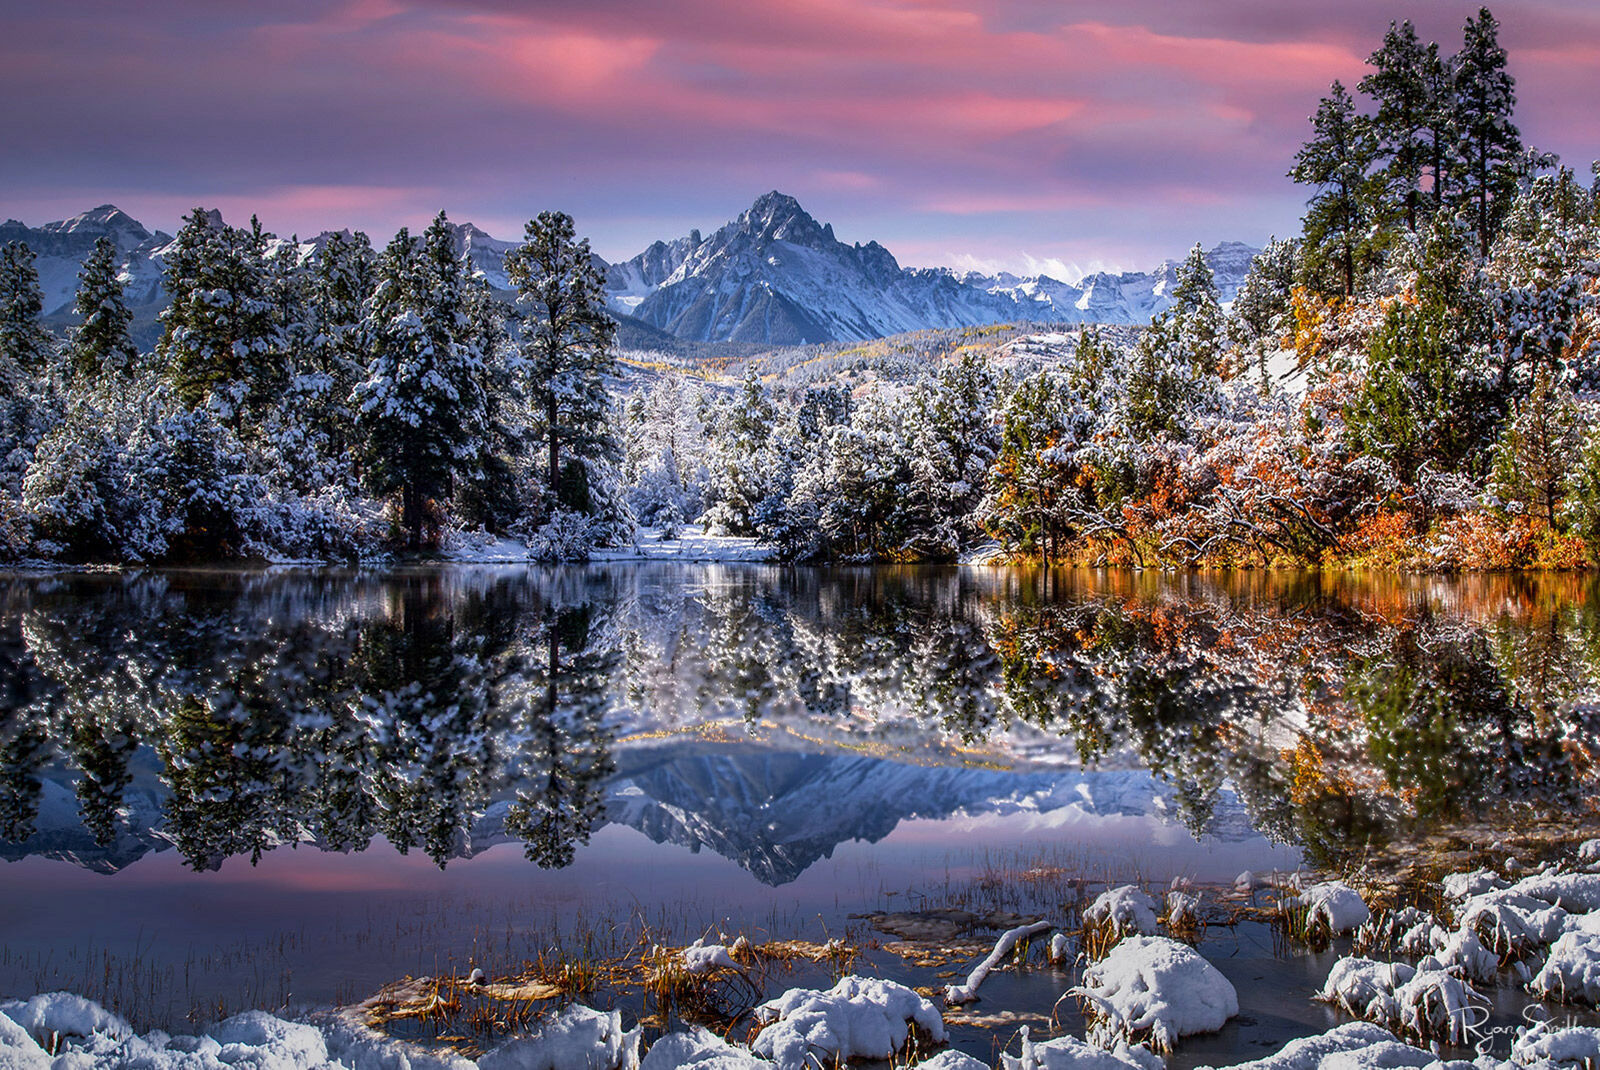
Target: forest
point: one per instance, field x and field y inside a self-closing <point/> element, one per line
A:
<point x="1409" y="383"/>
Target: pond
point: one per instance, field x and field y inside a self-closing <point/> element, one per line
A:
<point x="287" y="788"/>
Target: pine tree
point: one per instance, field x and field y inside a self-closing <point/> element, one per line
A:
<point x="422" y="408"/>
<point x="1399" y="84"/>
<point x="1336" y="161"/>
<point x="25" y="345"/>
<point x="1199" y="326"/>
<point x="1538" y="449"/>
<point x="221" y="343"/>
<point x="101" y="345"/>
<point x="566" y="347"/>
<point x="1489" y="145"/>
<point x="334" y="356"/>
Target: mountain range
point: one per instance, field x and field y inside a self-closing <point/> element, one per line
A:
<point x="772" y="276"/>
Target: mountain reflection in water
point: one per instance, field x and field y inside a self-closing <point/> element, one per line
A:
<point x="770" y="714"/>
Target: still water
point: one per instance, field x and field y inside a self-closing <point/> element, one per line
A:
<point x="286" y="788"/>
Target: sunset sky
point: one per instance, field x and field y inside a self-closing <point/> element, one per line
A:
<point x="1011" y="133"/>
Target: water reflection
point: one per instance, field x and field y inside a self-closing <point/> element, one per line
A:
<point x="772" y="713"/>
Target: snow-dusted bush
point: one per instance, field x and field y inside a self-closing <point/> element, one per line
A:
<point x="1571" y="973"/>
<point x="860" y="1017"/>
<point x="1155" y="987"/>
<point x="567" y="536"/>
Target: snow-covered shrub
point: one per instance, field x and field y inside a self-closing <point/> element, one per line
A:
<point x="1365" y="988"/>
<point x="1438" y="1005"/>
<point x="1571" y="973"/>
<point x="1070" y="1053"/>
<point x="580" y="1038"/>
<point x="860" y="1017"/>
<point x="1119" y="912"/>
<point x="1155" y="987"/>
<point x="567" y="536"/>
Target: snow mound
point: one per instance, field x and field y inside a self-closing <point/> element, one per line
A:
<point x="1576" y="893"/>
<point x="1060" y="948"/>
<point x="88" y="1037"/>
<point x="1589" y="852"/>
<point x="1463" y="953"/>
<point x="580" y="1038"/>
<point x="1511" y="922"/>
<point x="1365" y="988"/>
<point x="699" y="957"/>
<point x="66" y="1014"/>
<point x="1459" y="886"/>
<point x="950" y="1060"/>
<point x="1570" y="1046"/>
<point x="1333" y="904"/>
<point x="1070" y="1053"/>
<point x="702" y="1050"/>
<point x="1436" y="1004"/>
<point x="1126" y="910"/>
<point x="1572" y="972"/>
<point x="1340" y="1046"/>
<point x="860" y="1017"/>
<point x="1155" y="986"/>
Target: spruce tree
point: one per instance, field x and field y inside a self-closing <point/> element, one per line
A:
<point x="25" y="345"/>
<point x="566" y="347"/>
<point x="1489" y="145"/>
<point x="221" y="343"/>
<point x="334" y="356"/>
<point x="1336" y="161"/>
<point x="101" y="344"/>
<point x="421" y="405"/>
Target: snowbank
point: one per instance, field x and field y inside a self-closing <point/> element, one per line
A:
<point x="701" y="1050"/>
<point x="1343" y="1046"/>
<point x="1562" y="1046"/>
<point x="1576" y="893"/>
<point x="1459" y="886"/>
<point x="1512" y="922"/>
<point x="578" y="1039"/>
<point x="951" y="1060"/>
<point x="1125" y="909"/>
<point x="1155" y="986"/>
<point x="860" y="1017"/>
<point x="1069" y="1053"/>
<point x="1333" y="904"/>
<point x="692" y="544"/>
<point x="1572" y="972"/>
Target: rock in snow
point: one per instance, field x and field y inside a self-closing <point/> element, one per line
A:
<point x="1155" y="986"/>
<point x="860" y="1017"/>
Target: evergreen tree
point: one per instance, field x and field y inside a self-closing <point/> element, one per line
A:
<point x="740" y="460"/>
<point x="25" y="346"/>
<point x="566" y="347"/>
<point x="1336" y="161"/>
<point x="1489" y="145"/>
<point x="1199" y="327"/>
<point x="421" y="405"/>
<point x="101" y="345"/>
<point x="334" y="356"/>
<point x="1263" y="309"/>
<point x="221" y="343"/>
<point x="1538" y="450"/>
<point x="1399" y="84"/>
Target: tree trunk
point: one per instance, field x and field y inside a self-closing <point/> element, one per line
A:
<point x="555" y="453"/>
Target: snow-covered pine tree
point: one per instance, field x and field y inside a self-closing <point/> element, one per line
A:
<point x="221" y="344"/>
<point x="1399" y="85"/>
<point x="566" y="350"/>
<point x="1336" y="162"/>
<point x="101" y="345"/>
<point x="1489" y="146"/>
<point x="421" y="406"/>
<point x="25" y="346"/>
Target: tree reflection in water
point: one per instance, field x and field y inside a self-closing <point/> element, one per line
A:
<point x="440" y="709"/>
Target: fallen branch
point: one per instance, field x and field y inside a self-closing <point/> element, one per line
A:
<point x="966" y="993"/>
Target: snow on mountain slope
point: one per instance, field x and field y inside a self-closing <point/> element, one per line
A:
<point x="62" y="246"/>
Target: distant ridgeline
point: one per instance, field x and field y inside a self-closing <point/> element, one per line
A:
<point x="1408" y="384"/>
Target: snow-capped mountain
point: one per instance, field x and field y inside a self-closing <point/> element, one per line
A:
<point x="774" y="275"/>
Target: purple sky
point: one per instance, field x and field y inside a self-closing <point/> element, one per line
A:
<point x="1002" y="133"/>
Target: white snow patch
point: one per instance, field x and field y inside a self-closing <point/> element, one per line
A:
<point x="580" y="1038"/>
<point x="1568" y="1046"/>
<point x="702" y="1050"/>
<point x="699" y="957"/>
<point x="1340" y="1046"/>
<point x="1572" y="972"/>
<point x="1512" y="922"/>
<point x="692" y="544"/>
<point x="1156" y="986"/>
<point x="1459" y="886"/>
<point x="1125" y="909"/>
<point x="951" y="1060"/>
<point x="1070" y="1053"/>
<point x="860" y="1017"/>
<point x="1365" y="988"/>
<point x="1333" y="904"/>
<point x="1576" y="893"/>
<point x="1438" y="1004"/>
